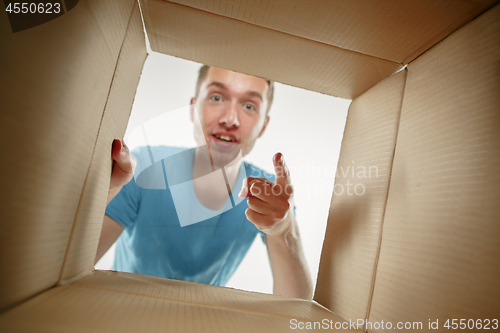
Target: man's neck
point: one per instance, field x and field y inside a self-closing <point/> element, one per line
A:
<point x="209" y="190"/>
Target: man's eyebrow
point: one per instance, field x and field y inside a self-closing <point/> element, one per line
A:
<point x="222" y="86"/>
<point x="256" y="94"/>
<point x="218" y="84"/>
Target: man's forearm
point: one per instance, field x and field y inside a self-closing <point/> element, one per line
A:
<point x="112" y="193"/>
<point x="289" y="267"/>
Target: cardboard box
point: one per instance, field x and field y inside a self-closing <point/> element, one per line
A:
<point x="420" y="246"/>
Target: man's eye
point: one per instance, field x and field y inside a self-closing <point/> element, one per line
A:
<point x="249" y="107"/>
<point x="216" y="98"/>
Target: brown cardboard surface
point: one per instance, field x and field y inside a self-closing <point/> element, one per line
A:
<point x="88" y="222"/>
<point x="196" y="293"/>
<point x="55" y="79"/>
<point x="352" y="239"/>
<point x="225" y="42"/>
<point x="107" y="301"/>
<point x="426" y="250"/>
<point x="112" y="20"/>
<point x="387" y="29"/>
<point x="440" y="257"/>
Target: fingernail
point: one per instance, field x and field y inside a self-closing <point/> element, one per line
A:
<point x="114" y="145"/>
<point x="243" y="193"/>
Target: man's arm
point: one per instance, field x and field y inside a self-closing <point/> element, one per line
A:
<point x="290" y="273"/>
<point x="271" y="210"/>
<point x="110" y="232"/>
<point x="124" y="165"/>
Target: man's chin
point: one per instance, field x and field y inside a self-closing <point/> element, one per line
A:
<point x="222" y="156"/>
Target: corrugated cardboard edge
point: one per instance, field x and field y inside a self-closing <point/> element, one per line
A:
<point x="356" y="72"/>
<point x="68" y="274"/>
<point x="454" y="272"/>
<point x="126" y="302"/>
<point x="486" y="5"/>
<point x="352" y="238"/>
<point x="50" y="121"/>
<point x="257" y="13"/>
<point x="375" y="267"/>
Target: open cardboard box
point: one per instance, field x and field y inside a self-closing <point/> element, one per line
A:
<point x="420" y="246"/>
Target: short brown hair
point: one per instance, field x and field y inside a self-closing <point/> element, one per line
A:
<point x="202" y="74"/>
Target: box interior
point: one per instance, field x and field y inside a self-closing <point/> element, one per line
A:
<point x="421" y="244"/>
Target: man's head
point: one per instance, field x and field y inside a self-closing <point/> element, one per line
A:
<point x="202" y="74"/>
<point x="232" y="109"/>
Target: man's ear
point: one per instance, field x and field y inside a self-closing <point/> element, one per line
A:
<point x="264" y="127"/>
<point x="191" y="110"/>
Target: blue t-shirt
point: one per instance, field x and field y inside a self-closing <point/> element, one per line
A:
<point x="168" y="232"/>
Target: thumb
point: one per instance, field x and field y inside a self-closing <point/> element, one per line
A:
<point x="281" y="170"/>
<point x="122" y="157"/>
<point x="123" y="166"/>
<point x="119" y="151"/>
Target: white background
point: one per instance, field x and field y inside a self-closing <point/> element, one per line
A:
<point x="307" y="127"/>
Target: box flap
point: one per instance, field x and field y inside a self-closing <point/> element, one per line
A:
<point x="388" y="29"/>
<point x="352" y="240"/>
<point x="341" y="48"/>
<point x="107" y="301"/>
<point x="55" y="82"/>
<point x="80" y="255"/>
<point x="440" y="253"/>
<point x="220" y="41"/>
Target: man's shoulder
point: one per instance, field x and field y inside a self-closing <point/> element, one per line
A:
<point x="157" y="150"/>
<point x="253" y="171"/>
<point x="151" y="158"/>
<point x="151" y="154"/>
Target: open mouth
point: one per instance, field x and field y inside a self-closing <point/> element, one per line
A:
<point x="224" y="138"/>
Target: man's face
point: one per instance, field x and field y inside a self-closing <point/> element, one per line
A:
<point x="232" y="111"/>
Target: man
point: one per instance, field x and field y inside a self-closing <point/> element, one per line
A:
<point x="232" y="111"/>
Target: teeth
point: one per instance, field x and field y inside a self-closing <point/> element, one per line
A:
<point x="224" y="137"/>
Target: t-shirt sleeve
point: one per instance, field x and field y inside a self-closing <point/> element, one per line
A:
<point x="124" y="206"/>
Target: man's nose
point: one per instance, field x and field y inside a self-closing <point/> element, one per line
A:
<point x="230" y="116"/>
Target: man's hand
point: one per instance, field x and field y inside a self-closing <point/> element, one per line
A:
<point x="124" y="165"/>
<point x="270" y="203"/>
<point x="271" y="210"/>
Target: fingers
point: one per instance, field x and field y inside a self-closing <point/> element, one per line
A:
<point x="249" y="182"/>
<point x="258" y="205"/>
<point x="123" y="165"/>
<point x="259" y="220"/>
<point x="269" y="202"/>
<point x="270" y="192"/>
<point x="122" y="156"/>
<point x="281" y="170"/>
<point x="116" y="148"/>
<point x="276" y="209"/>
<point x="120" y="152"/>
<point x="264" y="188"/>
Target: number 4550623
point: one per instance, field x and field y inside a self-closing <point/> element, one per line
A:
<point x="40" y="8"/>
<point x="462" y="324"/>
